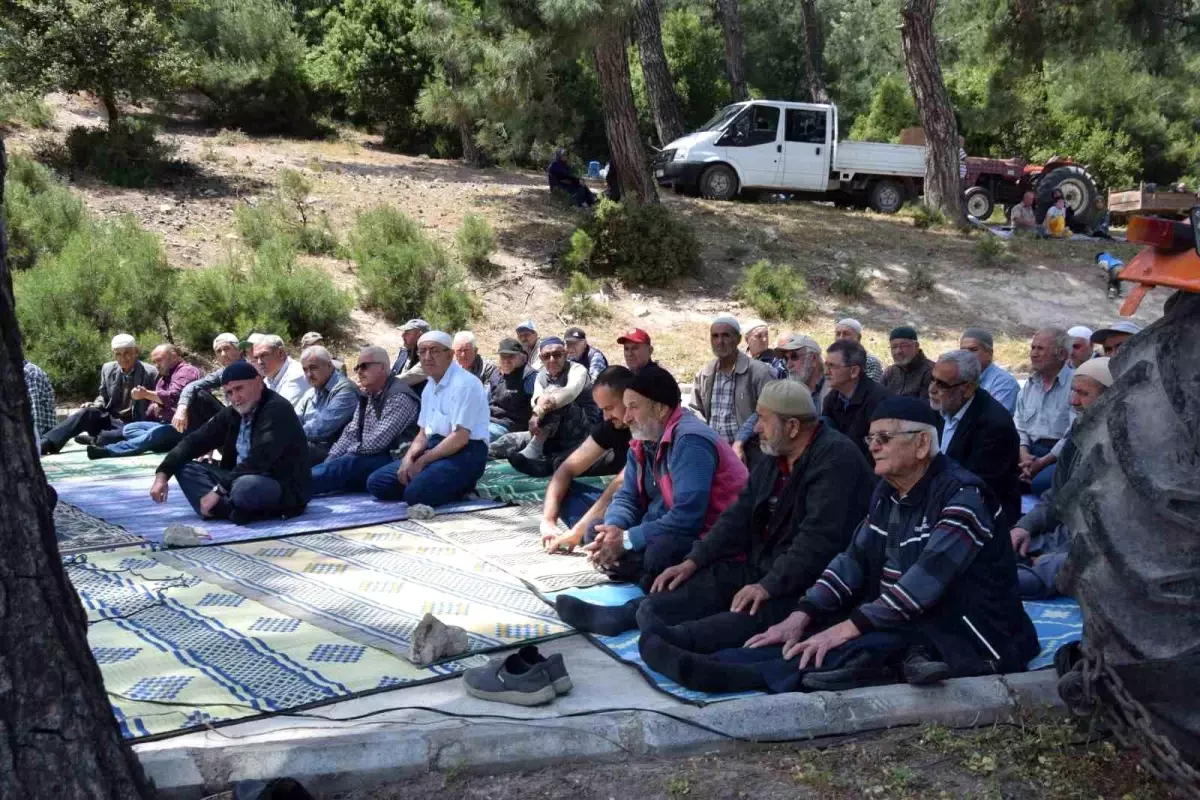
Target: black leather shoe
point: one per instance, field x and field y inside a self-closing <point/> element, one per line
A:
<point x="921" y="670"/>
<point x="853" y="674"/>
<point x="83" y="439"/>
<point x="94" y="452"/>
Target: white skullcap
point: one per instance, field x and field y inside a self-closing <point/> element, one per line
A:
<point x="1080" y="332"/>
<point x="727" y="319"/>
<point x="849" y="322"/>
<point x="122" y="340"/>
<point x="753" y="324"/>
<point x="1097" y="369"/>
<point x="436" y="337"/>
<point x="225" y="338"/>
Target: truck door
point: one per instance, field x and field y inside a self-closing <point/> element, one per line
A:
<point x="806" y="150"/>
<point x="753" y="147"/>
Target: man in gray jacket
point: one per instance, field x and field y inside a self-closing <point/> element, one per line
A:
<point x="725" y="392"/>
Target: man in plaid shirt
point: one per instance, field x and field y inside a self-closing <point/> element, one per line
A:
<point x="41" y="398"/>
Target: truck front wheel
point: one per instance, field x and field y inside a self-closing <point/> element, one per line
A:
<point x="886" y="197"/>
<point x="719" y="182"/>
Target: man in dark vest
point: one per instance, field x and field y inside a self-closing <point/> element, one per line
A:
<point x="510" y="397"/>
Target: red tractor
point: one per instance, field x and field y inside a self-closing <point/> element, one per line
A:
<point x="1003" y="181"/>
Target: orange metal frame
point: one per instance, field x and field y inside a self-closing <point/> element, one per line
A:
<point x="1152" y="267"/>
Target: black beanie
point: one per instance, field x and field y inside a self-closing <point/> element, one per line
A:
<point x="906" y="408"/>
<point x="655" y="383"/>
<point x="904" y="332"/>
<point x="239" y="370"/>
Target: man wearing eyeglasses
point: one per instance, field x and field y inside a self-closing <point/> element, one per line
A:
<point x="852" y="396"/>
<point x="385" y="417"/>
<point x="802" y="355"/>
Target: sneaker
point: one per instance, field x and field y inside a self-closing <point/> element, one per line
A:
<point x="533" y="467"/>
<point x="83" y="439"/>
<point x="510" y="680"/>
<point x="553" y="665"/>
<point x="921" y="670"/>
<point x="853" y="674"/>
<point x="179" y="535"/>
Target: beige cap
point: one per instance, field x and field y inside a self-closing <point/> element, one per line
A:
<point x="798" y="341"/>
<point x="1096" y="369"/>
<point x="789" y="398"/>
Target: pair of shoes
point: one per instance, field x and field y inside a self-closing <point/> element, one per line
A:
<point x="857" y="671"/>
<point x="178" y="534"/>
<point x="920" y="669"/>
<point x="525" y="678"/>
<point x="84" y="439"/>
<point x="533" y="467"/>
<point x="94" y="452"/>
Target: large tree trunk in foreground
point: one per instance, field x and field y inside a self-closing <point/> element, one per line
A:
<point x="814" y="53"/>
<point x="58" y="737"/>
<point x="943" y="189"/>
<point x="620" y="115"/>
<point x="660" y="89"/>
<point x="730" y="18"/>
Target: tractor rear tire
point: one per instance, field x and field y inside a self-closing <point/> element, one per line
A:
<point x="719" y="182"/>
<point x="1133" y="508"/>
<point x="979" y="203"/>
<point x="1079" y="190"/>
<point x="886" y="197"/>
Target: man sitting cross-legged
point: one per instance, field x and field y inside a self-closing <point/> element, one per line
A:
<point x="798" y="511"/>
<point x="925" y="588"/>
<point x="511" y="396"/>
<point x="385" y="415"/>
<point x="264" y="456"/>
<point x="852" y="396"/>
<point x="283" y="376"/>
<point x="679" y="477"/>
<point x="327" y="405"/>
<point x="802" y="355"/>
<point x="466" y="353"/>
<point x="227" y="350"/>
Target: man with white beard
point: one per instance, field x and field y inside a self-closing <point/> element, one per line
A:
<point x="802" y="355"/>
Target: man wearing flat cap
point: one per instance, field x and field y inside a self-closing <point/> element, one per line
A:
<point x="925" y="591"/>
<point x="910" y="372"/>
<point x="407" y="366"/>
<point x="802" y="503"/>
<point x="582" y="352"/>
<point x="679" y="476"/>
<point x="725" y="392"/>
<point x="802" y="356"/>
<point x="758" y="347"/>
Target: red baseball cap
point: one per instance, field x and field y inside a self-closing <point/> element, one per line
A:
<point x="634" y="336"/>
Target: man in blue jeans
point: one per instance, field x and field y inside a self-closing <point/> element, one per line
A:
<point x="449" y="452"/>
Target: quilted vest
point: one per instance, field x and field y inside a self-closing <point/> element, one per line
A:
<point x="509" y="401"/>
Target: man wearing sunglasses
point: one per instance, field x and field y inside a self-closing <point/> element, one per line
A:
<point x="802" y="356"/>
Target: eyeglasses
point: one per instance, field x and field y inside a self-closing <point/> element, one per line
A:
<point x="553" y="355"/>
<point x="362" y="365"/>
<point x="885" y="437"/>
<point x="428" y="352"/>
<point x="943" y="386"/>
<point x="795" y="355"/>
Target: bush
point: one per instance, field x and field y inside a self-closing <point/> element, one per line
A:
<point x="23" y="108"/>
<point x="578" y="301"/>
<point x="128" y="154"/>
<point x="925" y="216"/>
<point x="775" y="292"/>
<point x="920" y="281"/>
<point x="40" y="212"/>
<point x="850" y="281"/>
<point x="287" y="214"/>
<point x="450" y="307"/>
<point x="475" y="241"/>
<point x="990" y="251"/>
<point x="636" y="243"/>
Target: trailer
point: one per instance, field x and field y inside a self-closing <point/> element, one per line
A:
<point x="1147" y="200"/>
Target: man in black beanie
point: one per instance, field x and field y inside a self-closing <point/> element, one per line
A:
<point x="910" y="373"/>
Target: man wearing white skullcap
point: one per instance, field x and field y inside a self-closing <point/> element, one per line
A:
<point x="726" y="391"/>
<point x="850" y="328"/>
<point x="758" y="346"/>
<point x="115" y="405"/>
<point x="227" y="348"/>
<point x="1081" y="345"/>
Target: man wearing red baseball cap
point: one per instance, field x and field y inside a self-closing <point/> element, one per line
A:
<point x="638" y="350"/>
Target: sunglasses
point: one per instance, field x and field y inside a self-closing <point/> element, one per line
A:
<point x="795" y="355"/>
<point x="884" y="437"/>
<point x="943" y="386"/>
<point x="553" y="355"/>
<point x="362" y="365"/>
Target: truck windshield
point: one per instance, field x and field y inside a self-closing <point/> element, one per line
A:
<point x="724" y="115"/>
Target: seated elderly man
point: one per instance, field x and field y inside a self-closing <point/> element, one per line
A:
<point x="1040" y="538"/>
<point x="797" y="512"/>
<point x="227" y="349"/>
<point x="527" y="335"/>
<point x="154" y="434"/>
<point x="263" y="471"/>
<point x="408" y="366"/>
<point x="510" y="398"/>
<point x="637" y="349"/>
<point x="313" y="338"/>
<point x="41" y="397"/>
<point x="562" y="180"/>
<point x="850" y="328"/>
<point x="679" y="477"/>
<point x="466" y="353"/>
<point x="1081" y="345"/>
<point x="994" y="379"/>
<point x="115" y="405"/>
<point x="975" y="430"/>
<point x="852" y="397"/>
<point x="583" y="353"/>
<point x="604" y="452"/>
<point x="328" y="404"/>
<point x="925" y="588"/>
<point x="1043" y="413"/>
<point x="449" y="452"/>
<point x="802" y="355"/>
<point x="281" y="374"/>
<point x="1111" y="338"/>
<point x="1024" y="216"/>
<point x="725" y="392"/>
<point x="384" y="417"/>
<point x="758" y="347"/>
<point x="909" y="375"/>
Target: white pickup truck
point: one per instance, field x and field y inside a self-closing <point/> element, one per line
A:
<point x="793" y="148"/>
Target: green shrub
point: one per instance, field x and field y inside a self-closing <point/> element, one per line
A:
<point x="475" y="241"/>
<point x="450" y="307"/>
<point x="128" y="154"/>
<point x="578" y="301"/>
<point x="990" y="251"/>
<point x="925" y="216"/>
<point x="23" y="108"/>
<point x="40" y="212"/>
<point x="775" y="292"/>
<point x="287" y="214"/>
<point x="850" y="281"/>
<point x="579" y="251"/>
<point x="919" y="282"/>
<point x="640" y="244"/>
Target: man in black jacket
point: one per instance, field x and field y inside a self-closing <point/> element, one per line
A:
<point x="797" y="512"/>
<point x="975" y="429"/>
<point x="264" y="468"/>
<point x="852" y="395"/>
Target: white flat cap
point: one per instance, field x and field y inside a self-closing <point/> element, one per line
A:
<point x="122" y="340"/>
<point x="849" y="322"/>
<point x="225" y="338"/>
<point x="436" y="337"/>
<point x="1080" y="332"/>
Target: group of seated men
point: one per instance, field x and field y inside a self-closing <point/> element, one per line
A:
<point x="753" y="515"/>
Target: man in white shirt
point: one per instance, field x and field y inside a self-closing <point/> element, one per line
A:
<point x="450" y="451"/>
<point x="283" y="375"/>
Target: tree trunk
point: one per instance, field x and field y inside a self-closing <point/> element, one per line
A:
<point x="731" y="25"/>
<point x="109" y="99"/>
<point x="814" y="53"/>
<point x="472" y="155"/>
<point x="943" y="187"/>
<point x="58" y="737"/>
<point x="620" y="115"/>
<point x="660" y="89"/>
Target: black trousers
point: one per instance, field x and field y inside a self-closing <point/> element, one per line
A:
<point x="92" y="421"/>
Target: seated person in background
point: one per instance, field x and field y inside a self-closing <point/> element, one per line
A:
<point x="264" y="456"/>
<point x="924" y="589"/>
<point x="604" y="452"/>
<point x="679" y="477"/>
<point x="1056" y="219"/>
<point x="758" y="347"/>
<point x="1040" y="538"/>
<point x="562" y="415"/>
<point x="803" y="358"/>
<point x="466" y="353"/>
<point x="850" y="328"/>
<point x="583" y="353"/>
<point x="384" y="416"/>
<point x="154" y="433"/>
<point x="449" y="452"/>
<point x="909" y="375"/>
<point x="527" y="335"/>
<point x="1113" y="337"/>
<point x="328" y="404"/>
<point x="227" y="350"/>
<point x="1023" y="216"/>
<point x="1043" y="414"/>
<point x="282" y="375"/>
<point x="797" y="512"/>
<point x="41" y="397"/>
<point x="726" y="391"/>
<point x="115" y="405"/>
<point x="563" y="180"/>
<point x="313" y="338"/>
<point x="408" y="366"/>
<point x="852" y="397"/>
<point x="994" y="379"/>
<point x="1081" y="345"/>
<point x="975" y="430"/>
<point x="511" y="396"/>
<point x="637" y="349"/>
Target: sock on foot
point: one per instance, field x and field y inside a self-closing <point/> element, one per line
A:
<point x="589" y="618"/>
<point x="533" y="450"/>
<point x="698" y="672"/>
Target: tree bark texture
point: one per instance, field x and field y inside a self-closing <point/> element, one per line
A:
<point x="814" y="52"/>
<point x="943" y="189"/>
<point x="730" y="17"/>
<point x="620" y="114"/>
<point x="58" y="737"/>
<point x="660" y="89"/>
